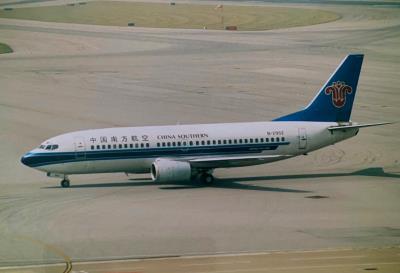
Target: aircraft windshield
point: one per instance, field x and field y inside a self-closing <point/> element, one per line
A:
<point x="49" y="147"/>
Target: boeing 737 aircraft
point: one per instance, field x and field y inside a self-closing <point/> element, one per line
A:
<point x="184" y="152"/>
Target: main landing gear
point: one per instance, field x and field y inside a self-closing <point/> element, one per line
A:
<point x="206" y="179"/>
<point x="65" y="182"/>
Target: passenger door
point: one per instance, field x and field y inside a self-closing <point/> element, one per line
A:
<point x="302" y="138"/>
<point x="80" y="148"/>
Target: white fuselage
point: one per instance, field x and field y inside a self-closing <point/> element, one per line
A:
<point x="134" y="149"/>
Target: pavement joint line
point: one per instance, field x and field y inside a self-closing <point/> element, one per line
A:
<point x="216" y="263"/>
<point x="328" y="258"/>
<point x="114" y="268"/>
<point x="31" y="266"/>
<point x="107" y="261"/>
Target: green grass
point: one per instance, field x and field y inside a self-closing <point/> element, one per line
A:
<point x="189" y="16"/>
<point x="5" y="48"/>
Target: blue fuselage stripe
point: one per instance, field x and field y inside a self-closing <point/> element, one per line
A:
<point x="41" y="159"/>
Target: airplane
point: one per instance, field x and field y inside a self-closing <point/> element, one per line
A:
<point x="185" y="152"/>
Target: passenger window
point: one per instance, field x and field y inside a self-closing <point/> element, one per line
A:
<point x="251" y="140"/>
<point x="98" y="147"/>
<point x="202" y="142"/>
<point x="184" y="143"/>
<point x="54" y="147"/>
<point x="219" y="141"/>
<point x="163" y="144"/>
<point x="267" y="139"/>
<point x="235" y="141"/>
<point x="197" y="143"/>
<point x="103" y="147"/>
<point x="173" y="144"/>
<point x="256" y="140"/>
<point x="141" y="145"/>
<point x="240" y="140"/>
<point x="168" y="144"/>
<point x="246" y="140"/>
<point x="214" y="142"/>
<point x="272" y="139"/>
<point x="208" y="142"/>
<point x="230" y="141"/>
<point x="115" y="146"/>
<point x="147" y="145"/>
<point x="283" y="139"/>
<point x="92" y="147"/>
<point x="130" y="145"/>
<point x="179" y="143"/>
<point x="191" y="143"/>
<point x="109" y="146"/>
<point x="261" y="140"/>
<point x="158" y="144"/>
<point x="120" y="146"/>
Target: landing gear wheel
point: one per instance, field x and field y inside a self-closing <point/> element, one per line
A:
<point x="65" y="183"/>
<point x="207" y="178"/>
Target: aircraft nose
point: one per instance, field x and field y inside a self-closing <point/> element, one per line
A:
<point x="27" y="159"/>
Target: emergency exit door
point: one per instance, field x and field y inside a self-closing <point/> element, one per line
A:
<point x="302" y="138"/>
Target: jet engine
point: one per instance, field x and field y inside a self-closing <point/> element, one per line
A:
<point x="166" y="170"/>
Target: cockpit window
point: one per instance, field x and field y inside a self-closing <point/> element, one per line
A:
<point x="49" y="147"/>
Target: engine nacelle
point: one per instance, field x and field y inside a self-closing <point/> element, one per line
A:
<point x="166" y="170"/>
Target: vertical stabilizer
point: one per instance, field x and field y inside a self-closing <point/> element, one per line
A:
<point x="334" y="100"/>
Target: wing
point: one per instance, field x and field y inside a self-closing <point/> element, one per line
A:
<point x="234" y="161"/>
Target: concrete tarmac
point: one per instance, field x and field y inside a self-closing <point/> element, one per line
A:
<point x="384" y="260"/>
<point x="64" y="78"/>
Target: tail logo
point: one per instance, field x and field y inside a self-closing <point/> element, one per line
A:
<point x="338" y="90"/>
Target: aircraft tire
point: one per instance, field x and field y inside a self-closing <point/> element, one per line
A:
<point x="207" y="179"/>
<point x="65" y="183"/>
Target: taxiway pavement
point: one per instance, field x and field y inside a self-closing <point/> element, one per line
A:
<point x="69" y="77"/>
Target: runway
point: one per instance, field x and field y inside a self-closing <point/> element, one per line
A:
<point x="70" y="77"/>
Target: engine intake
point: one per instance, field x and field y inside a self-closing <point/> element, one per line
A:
<point x="166" y="170"/>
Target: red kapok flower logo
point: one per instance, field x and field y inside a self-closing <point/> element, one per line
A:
<point x="338" y="91"/>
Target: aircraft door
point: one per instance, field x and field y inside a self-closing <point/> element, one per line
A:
<point x="302" y="138"/>
<point x="80" y="148"/>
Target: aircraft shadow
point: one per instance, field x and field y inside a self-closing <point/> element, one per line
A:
<point x="234" y="183"/>
<point x="376" y="172"/>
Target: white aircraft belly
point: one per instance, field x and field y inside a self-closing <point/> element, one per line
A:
<point x="101" y="166"/>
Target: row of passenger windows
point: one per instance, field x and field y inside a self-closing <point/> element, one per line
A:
<point x="219" y="142"/>
<point x="189" y="143"/>
<point x="119" y="146"/>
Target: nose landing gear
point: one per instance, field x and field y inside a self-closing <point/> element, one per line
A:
<point x="64" y="182"/>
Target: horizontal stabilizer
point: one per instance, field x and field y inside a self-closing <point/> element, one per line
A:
<point x="341" y="127"/>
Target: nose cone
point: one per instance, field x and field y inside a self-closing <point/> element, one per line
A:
<point x="27" y="159"/>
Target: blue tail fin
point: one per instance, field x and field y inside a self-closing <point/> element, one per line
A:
<point x="335" y="99"/>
